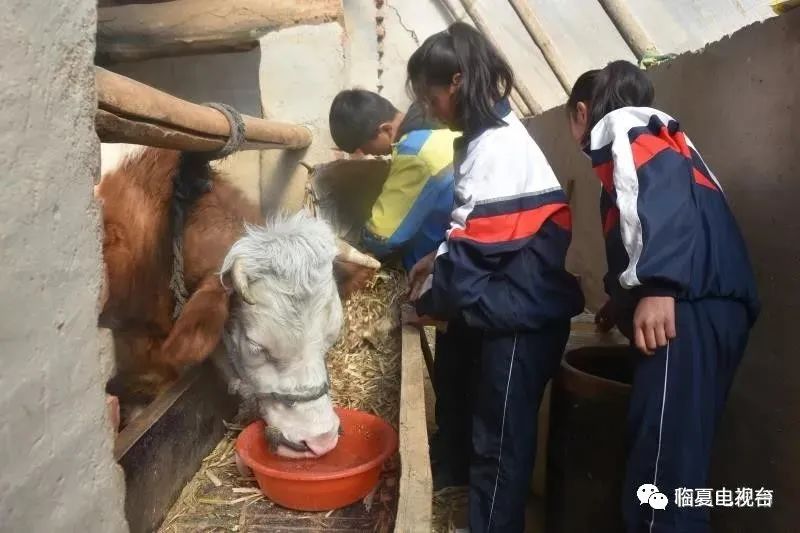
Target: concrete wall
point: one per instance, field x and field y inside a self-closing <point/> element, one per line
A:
<point x="302" y="69"/>
<point x="738" y="101"/>
<point x="57" y="472"/>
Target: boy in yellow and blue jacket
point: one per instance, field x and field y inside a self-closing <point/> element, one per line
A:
<point x="411" y="216"/>
<point x="413" y="209"/>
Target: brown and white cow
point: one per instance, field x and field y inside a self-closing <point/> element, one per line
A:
<point x="270" y="289"/>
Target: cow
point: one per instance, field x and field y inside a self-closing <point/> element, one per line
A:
<point x="269" y="290"/>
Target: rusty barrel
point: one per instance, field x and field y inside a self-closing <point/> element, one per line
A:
<point x="587" y="441"/>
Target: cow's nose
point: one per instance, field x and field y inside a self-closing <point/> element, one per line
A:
<point x="324" y="443"/>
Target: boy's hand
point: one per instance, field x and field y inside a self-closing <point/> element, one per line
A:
<point x="418" y="275"/>
<point x="606" y="317"/>
<point x="654" y="323"/>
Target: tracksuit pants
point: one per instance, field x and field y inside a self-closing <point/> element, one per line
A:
<point x="677" y="399"/>
<point x="508" y="373"/>
<point x="453" y="380"/>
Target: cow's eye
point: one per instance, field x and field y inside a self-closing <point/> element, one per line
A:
<point x="255" y="347"/>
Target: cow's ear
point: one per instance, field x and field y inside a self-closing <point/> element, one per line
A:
<point x="199" y="327"/>
<point x="241" y="283"/>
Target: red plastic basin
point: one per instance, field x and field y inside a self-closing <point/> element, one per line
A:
<point x="338" y="479"/>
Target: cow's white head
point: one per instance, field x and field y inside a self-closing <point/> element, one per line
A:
<point x="286" y="317"/>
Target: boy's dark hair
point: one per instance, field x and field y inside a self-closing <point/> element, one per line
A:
<point x="619" y="84"/>
<point x="355" y="117"/>
<point x="486" y="76"/>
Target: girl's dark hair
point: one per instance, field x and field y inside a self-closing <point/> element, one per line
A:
<point x="619" y="84"/>
<point x="581" y="91"/>
<point x="486" y="77"/>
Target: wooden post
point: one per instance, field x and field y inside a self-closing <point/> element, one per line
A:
<point x="630" y="28"/>
<point x="129" y="31"/>
<point x="539" y="35"/>
<point x="133" y="112"/>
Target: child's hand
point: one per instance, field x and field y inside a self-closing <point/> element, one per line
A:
<point x="654" y="323"/>
<point x="419" y="273"/>
<point x="605" y="317"/>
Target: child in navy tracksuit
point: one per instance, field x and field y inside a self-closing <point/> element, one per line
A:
<point x="499" y="277"/>
<point x="679" y="282"/>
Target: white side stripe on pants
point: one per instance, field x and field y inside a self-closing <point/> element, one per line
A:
<point x="502" y="433"/>
<point x="660" y="428"/>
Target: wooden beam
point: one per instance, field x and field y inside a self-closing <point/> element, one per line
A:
<point x="129" y="111"/>
<point x="542" y="40"/>
<point x="113" y="129"/>
<point x="129" y="31"/>
<point x="629" y="28"/>
<point x="414" y="504"/>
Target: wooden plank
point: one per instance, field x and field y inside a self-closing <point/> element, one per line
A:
<point x="133" y="31"/>
<point x="414" y="505"/>
<point x="162" y="449"/>
<point x="135" y="101"/>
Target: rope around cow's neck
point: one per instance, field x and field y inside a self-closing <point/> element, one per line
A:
<point x="234" y="143"/>
<point x="176" y="283"/>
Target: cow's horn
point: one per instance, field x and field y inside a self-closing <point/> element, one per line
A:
<point x="348" y="254"/>
<point x="241" y="283"/>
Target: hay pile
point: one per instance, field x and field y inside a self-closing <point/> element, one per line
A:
<point x="364" y="365"/>
<point x="449" y="509"/>
<point x="364" y="369"/>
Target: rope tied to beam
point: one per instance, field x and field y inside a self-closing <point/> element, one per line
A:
<point x="237" y="135"/>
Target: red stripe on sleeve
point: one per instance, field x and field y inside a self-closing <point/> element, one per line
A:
<point x="646" y="146"/>
<point x="701" y="179"/>
<point x="605" y="172"/>
<point x="509" y="227"/>
<point x="563" y="218"/>
<point x="680" y="141"/>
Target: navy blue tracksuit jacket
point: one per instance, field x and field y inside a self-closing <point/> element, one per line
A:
<point x="669" y="232"/>
<point x="499" y="279"/>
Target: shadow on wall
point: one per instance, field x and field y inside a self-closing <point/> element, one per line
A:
<point x="228" y="78"/>
<point x="738" y="100"/>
